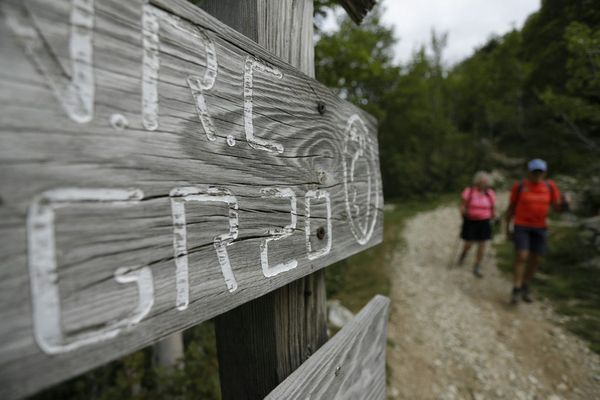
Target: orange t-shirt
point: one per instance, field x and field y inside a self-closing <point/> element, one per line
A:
<point x="533" y="202"/>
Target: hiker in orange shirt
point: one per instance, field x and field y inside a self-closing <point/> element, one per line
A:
<point x="530" y="202"/>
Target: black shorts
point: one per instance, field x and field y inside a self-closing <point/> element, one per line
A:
<point x="476" y="230"/>
<point x="531" y="239"/>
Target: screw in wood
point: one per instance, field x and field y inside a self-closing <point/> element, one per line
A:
<point x="321" y="107"/>
<point x="322" y="176"/>
<point x="321" y="233"/>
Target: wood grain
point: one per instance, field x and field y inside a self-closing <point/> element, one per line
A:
<point x="45" y="152"/>
<point x="264" y="340"/>
<point x="278" y="26"/>
<point x="351" y="365"/>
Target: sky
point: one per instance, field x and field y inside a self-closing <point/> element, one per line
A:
<point x="469" y="23"/>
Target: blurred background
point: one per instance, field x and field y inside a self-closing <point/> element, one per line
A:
<point x="476" y="85"/>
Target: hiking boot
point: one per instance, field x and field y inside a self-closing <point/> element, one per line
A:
<point x="525" y="296"/>
<point x="477" y="271"/>
<point x="514" y="298"/>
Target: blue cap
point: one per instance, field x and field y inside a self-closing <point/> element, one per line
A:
<point x="537" y="165"/>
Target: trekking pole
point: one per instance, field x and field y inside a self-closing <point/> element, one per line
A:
<point x="453" y="259"/>
<point x="496" y="230"/>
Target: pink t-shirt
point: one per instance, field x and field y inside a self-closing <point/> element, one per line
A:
<point x="479" y="204"/>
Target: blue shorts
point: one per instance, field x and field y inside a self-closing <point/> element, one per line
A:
<point x="533" y="240"/>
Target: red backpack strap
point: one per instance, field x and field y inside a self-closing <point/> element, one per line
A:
<point x="519" y="190"/>
<point x="469" y="197"/>
<point x="489" y="196"/>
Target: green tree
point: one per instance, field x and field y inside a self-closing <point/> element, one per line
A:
<point x="422" y="151"/>
<point x="357" y="62"/>
<point x="579" y="106"/>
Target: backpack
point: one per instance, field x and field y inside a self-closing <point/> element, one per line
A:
<point x="522" y="185"/>
<point x="564" y="206"/>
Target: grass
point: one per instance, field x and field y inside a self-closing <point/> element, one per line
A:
<point x="134" y="376"/>
<point x="355" y="280"/>
<point x="567" y="280"/>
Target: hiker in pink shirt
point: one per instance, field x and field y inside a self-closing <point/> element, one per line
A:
<point x="478" y="209"/>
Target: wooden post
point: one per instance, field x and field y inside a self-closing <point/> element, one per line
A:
<point x="262" y="342"/>
<point x="169" y="352"/>
<point x="349" y="366"/>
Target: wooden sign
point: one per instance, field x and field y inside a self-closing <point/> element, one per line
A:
<point x="159" y="169"/>
<point x="349" y="366"/>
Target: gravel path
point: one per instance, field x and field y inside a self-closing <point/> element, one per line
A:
<point x="453" y="336"/>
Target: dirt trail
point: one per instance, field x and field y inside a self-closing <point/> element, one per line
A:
<point x="453" y="336"/>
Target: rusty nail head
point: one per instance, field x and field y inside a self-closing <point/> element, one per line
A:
<point x="321" y="233"/>
<point x="321" y="107"/>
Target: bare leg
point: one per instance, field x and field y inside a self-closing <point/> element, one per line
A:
<point x="519" y="270"/>
<point x="519" y="267"/>
<point x="465" y="251"/>
<point x="478" y="259"/>
<point x="532" y="266"/>
<point x="480" y="252"/>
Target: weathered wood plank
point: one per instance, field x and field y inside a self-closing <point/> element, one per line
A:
<point x="131" y="155"/>
<point x="351" y="365"/>
<point x="278" y="26"/>
<point x="264" y="340"/>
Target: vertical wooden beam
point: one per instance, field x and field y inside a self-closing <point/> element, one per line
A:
<point x="284" y="27"/>
<point x="262" y="342"/>
<point x="169" y="352"/>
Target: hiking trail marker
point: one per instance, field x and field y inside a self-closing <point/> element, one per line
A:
<point x="159" y="169"/>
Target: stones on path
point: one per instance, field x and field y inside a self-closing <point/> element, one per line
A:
<point x="455" y="338"/>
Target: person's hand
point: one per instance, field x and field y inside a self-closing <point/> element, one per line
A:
<point x="565" y="202"/>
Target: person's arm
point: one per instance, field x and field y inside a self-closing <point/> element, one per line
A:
<point x="463" y="203"/>
<point x="512" y="205"/>
<point x="494" y="208"/>
<point x="508" y="218"/>
<point x="566" y="202"/>
<point x="463" y="207"/>
<point x="560" y="202"/>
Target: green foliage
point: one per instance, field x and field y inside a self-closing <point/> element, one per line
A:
<point x="535" y="92"/>
<point x="422" y="151"/>
<point x="357" y="62"/>
<point x="578" y="106"/>
<point x="135" y="377"/>
<point x="488" y="88"/>
<point x="322" y="6"/>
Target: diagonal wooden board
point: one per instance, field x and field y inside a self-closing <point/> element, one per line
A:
<point x="351" y="365"/>
<point x="159" y="169"/>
